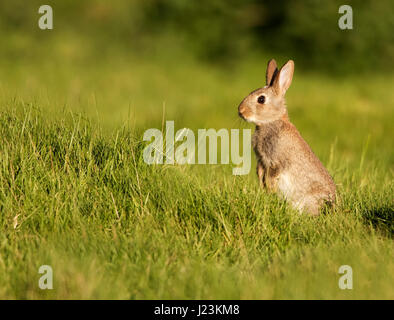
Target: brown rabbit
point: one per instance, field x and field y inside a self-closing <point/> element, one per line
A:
<point x="285" y="162"/>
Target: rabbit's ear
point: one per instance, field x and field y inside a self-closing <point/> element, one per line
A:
<point x="272" y="71"/>
<point x="283" y="80"/>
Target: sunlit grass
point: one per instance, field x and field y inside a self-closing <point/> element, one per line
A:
<point x="75" y="193"/>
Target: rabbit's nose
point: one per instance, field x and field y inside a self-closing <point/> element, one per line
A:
<point x="241" y="110"/>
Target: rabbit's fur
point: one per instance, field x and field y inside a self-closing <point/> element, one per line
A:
<point x="285" y="162"/>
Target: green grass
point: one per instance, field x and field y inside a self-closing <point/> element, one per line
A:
<point x="75" y="193"/>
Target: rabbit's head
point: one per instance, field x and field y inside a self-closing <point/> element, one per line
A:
<point x="268" y="103"/>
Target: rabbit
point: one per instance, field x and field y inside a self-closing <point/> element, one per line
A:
<point x="285" y="163"/>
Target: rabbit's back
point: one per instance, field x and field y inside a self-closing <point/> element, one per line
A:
<point x="291" y="167"/>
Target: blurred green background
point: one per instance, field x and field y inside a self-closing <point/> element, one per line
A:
<point x="215" y="31"/>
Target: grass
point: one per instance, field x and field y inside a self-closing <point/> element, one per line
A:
<point x="76" y="194"/>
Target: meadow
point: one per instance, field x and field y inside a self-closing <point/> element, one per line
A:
<point x="76" y="194"/>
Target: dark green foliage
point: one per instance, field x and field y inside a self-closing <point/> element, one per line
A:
<point x="217" y="31"/>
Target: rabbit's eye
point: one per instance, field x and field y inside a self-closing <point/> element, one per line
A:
<point x="261" y="99"/>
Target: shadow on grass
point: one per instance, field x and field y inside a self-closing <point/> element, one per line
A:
<point x="382" y="218"/>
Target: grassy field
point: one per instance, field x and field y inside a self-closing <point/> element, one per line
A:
<point x="76" y="194"/>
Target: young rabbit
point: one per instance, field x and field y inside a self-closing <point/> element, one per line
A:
<point x="285" y="162"/>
